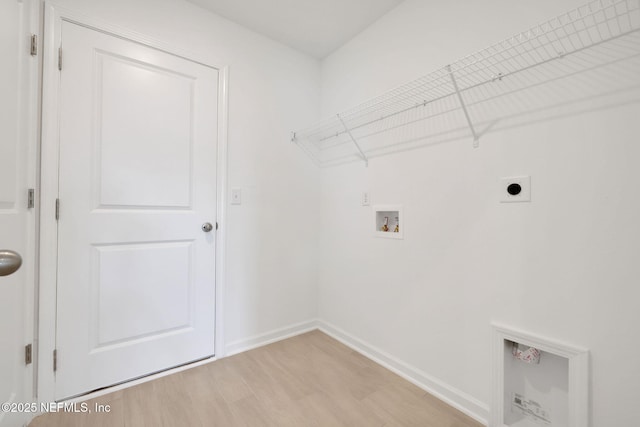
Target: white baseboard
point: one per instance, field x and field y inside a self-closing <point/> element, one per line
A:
<point x="453" y="397"/>
<point x="270" y="337"/>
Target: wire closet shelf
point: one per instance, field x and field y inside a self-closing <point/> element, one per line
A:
<point x="462" y="100"/>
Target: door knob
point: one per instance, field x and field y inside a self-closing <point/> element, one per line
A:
<point x="207" y="227"/>
<point x="10" y="262"/>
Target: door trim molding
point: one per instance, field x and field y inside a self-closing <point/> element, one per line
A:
<point x="54" y="16"/>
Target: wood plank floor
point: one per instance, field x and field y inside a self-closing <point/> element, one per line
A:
<point x="308" y="380"/>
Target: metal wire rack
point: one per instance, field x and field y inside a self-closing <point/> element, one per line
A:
<point x="586" y="53"/>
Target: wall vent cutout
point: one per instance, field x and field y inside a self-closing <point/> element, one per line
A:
<point x="515" y="189"/>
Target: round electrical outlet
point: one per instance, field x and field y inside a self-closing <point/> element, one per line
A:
<point x="514" y="189"/>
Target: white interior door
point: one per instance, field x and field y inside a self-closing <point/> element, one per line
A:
<point x="13" y="213"/>
<point x="137" y="181"/>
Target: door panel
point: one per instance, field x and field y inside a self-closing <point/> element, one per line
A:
<point x="137" y="180"/>
<point x="125" y="275"/>
<point x="155" y="171"/>
<point x="13" y="211"/>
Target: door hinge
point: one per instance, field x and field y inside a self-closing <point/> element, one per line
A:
<point x="57" y="209"/>
<point x="60" y="58"/>
<point x="27" y="354"/>
<point x="31" y="198"/>
<point x="34" y="45"/>
<point x="216" y="225"/>
<point x="55" y="360"/>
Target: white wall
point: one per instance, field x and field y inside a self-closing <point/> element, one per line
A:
<point x="563" y="266"/>
<point x="272" y="236"/>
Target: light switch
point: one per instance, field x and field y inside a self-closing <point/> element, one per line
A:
<point x="365" y="198"/>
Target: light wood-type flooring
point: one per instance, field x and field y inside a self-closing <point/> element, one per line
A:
<point x="307" y="380"/>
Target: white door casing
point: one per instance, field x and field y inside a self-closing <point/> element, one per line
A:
<point x="17" y="221"/>
<point x="136" y="273"/>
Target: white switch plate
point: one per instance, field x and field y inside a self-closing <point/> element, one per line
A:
<point x="525" y="189"/>
<point x="236" y="196"/>
<point x="365" y="198"/>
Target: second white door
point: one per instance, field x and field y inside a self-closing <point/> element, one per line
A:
<point x="137" y="181"/>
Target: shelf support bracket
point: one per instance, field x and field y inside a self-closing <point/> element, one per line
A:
<point x="476" y="137"/>
<point x="346" y="129"/>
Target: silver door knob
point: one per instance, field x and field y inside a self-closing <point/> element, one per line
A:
<point x="207" y="227"/>
<point x="10" y="262"/>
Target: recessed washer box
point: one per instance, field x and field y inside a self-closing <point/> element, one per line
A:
<point x="389" y="218"/>
<point x="548" y="390"/>
<point x="515" y="189"/>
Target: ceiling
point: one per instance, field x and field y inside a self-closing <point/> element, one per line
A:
<point x="315" y="27"/>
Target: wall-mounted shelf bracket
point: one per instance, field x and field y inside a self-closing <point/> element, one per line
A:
<point x="476" y="137"/>
<point x="346" y="129"/>
<point x="295" y="140"/>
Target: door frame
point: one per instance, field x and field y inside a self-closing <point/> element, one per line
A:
<point x="54" y="16"/>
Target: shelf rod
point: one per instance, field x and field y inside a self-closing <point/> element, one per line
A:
<point x="366" y="161"/>
<point x="464" y="108"/>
